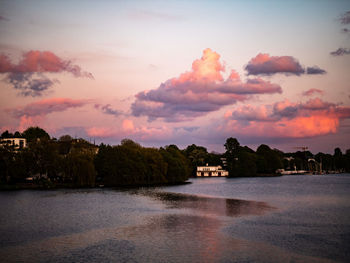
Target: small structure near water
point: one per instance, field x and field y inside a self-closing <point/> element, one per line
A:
<point x="16" y="143"/>
<point x="211" y="171"/>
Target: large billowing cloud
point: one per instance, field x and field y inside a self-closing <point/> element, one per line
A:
<point x="27" y="76"/>
<point x="199" y="91"/>
<point x="286" y="119"/>
<point x="264" y="64"/>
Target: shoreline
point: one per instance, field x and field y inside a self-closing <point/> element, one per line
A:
<point x="31" y="186"/>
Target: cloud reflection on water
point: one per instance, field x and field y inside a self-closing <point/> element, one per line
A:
<point x="210" y="205"/>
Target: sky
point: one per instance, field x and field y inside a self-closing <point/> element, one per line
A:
<point x="179" y="72"/>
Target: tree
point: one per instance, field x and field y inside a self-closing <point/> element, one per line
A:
<point x="65" y="138"/>
<point x="34" y="133"/>
<point x="325" y="160"/>
<point x="179" y="168"/>
<point x="269" y="160"/>
<point x="197" y="155"/>
<point x="132" y="164"/>
<point x="6" y="134"/>
<point x="79" y="170"/>
<point x="13" y="167"/>
<point x="42" y="158"/>
<point x="247" y="164"/>
<point x="6" y="164"/>
<point x="347" y="160"/>
<point x="129" y="143"/>
<point x="17" y="135"/>
<point x="339" y="160"/>
<point x="232" y="147"/>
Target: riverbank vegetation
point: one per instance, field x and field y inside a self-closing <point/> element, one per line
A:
<point x="67" y="162"/>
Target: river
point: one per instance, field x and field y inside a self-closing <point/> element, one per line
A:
<point x="274" y="219"/>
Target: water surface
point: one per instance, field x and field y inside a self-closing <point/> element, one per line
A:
<point x="279" y="219"/>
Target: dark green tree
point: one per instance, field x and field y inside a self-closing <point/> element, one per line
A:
<point x="17" y="135"/>
<point x="34" y="133"/>
<point x="268" y="160"/>
<point x="339" y="160"/>
<point x="65" y="138"/>
<point x="246" y="165"/>
<point x="347" y="160"/>
<point x="232" y="147"/>
<point x="6" y="134"/>
<point x="179" y="167"/>
<point x="79" y="169"/>
<point x="197" y="155"/>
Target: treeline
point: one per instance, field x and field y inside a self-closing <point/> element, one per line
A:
<point x="243" y="161"/>
<point x="238" y="160"/>
<point x="132" y="164"/>
<point x="47" y="162"/>
<point x="77" y="163"/>
<point x="72" y="162"/>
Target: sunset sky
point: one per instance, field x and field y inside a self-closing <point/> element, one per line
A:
<point x="179" y="72"/>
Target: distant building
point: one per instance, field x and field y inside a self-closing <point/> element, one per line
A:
<point x="16" y="143"/>
<point x="209" y="171"/>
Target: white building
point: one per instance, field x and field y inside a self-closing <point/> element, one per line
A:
<point x="17" y="143"/>
<point x="208" y="171"/>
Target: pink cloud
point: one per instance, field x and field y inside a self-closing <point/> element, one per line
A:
<point x="29" y="121"/>
<point x="128" y="125"/>
<point x="27" y="76"/>
<point x="286" y="119"/>
<point x="46" y="106"/>
<point x="5" y="64"/>
<point x="318" y="104"/>
<point x="264" y="64"/>
<point x="100" y="132"/>
<point x="268" y="65"/>
<point x="313" y="91"/>
<point x="251" y="113"/>
<point x="35" y="61"/>
<point x="128" y="130"/>
<point x="199" y="91"/>
<point x="34" y="114"/>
